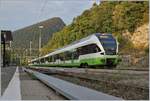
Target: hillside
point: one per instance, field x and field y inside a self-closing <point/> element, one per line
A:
<point x="138" y="48"/>
<point x="22" y="37"/>
<point x="116" y="17"/>
<point x="107" y="17"/>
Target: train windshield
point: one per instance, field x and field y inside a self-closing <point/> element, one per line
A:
<point x="109" y="43"/>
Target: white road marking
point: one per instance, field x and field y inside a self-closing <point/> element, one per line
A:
<point x="13" y="91"/>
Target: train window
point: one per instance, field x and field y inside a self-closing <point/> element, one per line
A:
<point x="47" y="59"/>
<point x="62" y="56"/>
<point x="92" y="48"/>
<point x="37" y="61"/>
<point x="50" y="59"/>
<point x="42" y="60"/>
<point x="76" y="54"/>
<point x="68" y="55"/>
<point x="53" y="59"/>
<point x="57" y="56"/>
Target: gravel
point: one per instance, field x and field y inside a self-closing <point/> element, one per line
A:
<point x="129" y="87"/>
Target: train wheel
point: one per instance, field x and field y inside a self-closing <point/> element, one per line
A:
<point x="85" y="65"/>
<point x="81" y="65"/>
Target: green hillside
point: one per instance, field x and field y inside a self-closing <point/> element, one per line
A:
<point x="22" y="37"/>
<point x="114" y="17"/>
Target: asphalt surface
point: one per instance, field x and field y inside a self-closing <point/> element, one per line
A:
<point x="30" y="87"/>
<point x="6" y="75"/>
<point x="33" y="89"/>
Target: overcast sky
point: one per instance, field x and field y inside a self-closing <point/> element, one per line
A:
<point x="16" y="14"/>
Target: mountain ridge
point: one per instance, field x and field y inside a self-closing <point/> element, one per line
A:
<point x="23" y="36"/>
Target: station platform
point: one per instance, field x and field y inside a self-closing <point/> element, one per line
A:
<point x="6" y="76"/>
<point x="21" y="86"/>
<point x="24" y="86"/>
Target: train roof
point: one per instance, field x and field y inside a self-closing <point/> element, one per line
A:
<point x="74" y="44"/>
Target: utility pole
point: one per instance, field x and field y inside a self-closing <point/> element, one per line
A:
<point x="10" y="43"/>
<point x="30" y="48"/>
<point x="4" y="50"/>
<point x="40" y="27"/>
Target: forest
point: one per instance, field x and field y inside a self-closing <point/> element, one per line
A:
<point x="114" y="17"/>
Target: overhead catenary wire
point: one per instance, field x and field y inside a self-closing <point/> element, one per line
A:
<point x="41" y="10"/>
<point x="38" y="19"/>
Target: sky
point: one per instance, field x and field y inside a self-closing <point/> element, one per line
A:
<point x="16" y="14"/>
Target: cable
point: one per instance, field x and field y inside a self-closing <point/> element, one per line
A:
<point x="42" y="9"/>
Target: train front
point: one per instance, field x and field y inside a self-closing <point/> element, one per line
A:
<point x="110" y="45"/>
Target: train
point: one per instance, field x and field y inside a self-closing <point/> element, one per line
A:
<point x="96" y="50"/>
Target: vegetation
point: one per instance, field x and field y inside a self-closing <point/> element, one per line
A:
<point x="22" y="37"/>
<point x="108" y="17"/>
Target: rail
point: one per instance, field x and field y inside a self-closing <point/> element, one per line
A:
<point x="70" y="90"/>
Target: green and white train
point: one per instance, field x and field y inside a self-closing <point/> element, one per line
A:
<point x="95" y="50"/>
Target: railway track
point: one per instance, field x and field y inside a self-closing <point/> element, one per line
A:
<point x="109" y="87"/>
<point x="70" y="90"/>
<point x="109" y="84"/>
<point x="93" y="71"/>
<point x="39" y="90"/>
<point x="135" y="69"/>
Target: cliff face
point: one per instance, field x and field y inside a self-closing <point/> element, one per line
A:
<point x="138" y="54"/>
<point x="139" y="38"/>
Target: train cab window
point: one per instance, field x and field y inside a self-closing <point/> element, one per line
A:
<point x="94" y="48"/>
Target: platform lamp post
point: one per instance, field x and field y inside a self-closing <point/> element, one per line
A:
<point x="4" y="50"/>
<point x="10" y="48"/>
<point x="40" y="27"/>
